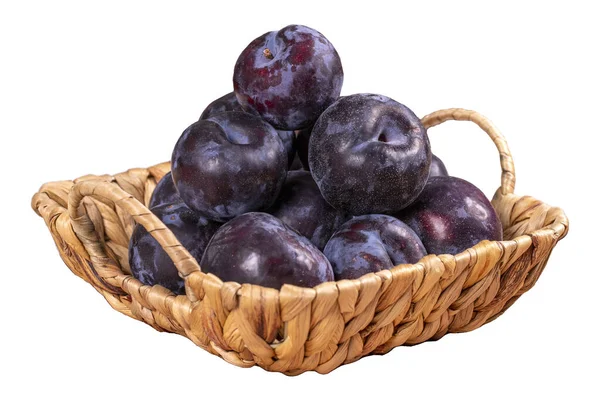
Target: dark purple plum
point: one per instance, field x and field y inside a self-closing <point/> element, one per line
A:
<point x="258" y="248"/>
<point x="288" y="138"/>
<point x="289" y="76"/>
<point x="302" y="141"/>
<point x="223" y="104"/>
<point x="451" y="215"/>
<point x="229" y="164"/>
<point x="437" y="167"/>
<point x="148" y="261"/>
<point x="369" y="155"/>
<point x="370" y="243"/>
<point x="164" y="193"/>
<point x="230" y="103"/>
<point x="301" y="206"/>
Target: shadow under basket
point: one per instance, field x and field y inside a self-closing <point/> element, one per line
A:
<point x="293" y="330"/>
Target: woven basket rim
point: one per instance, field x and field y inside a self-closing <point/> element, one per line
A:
<point x="558" y="229"/>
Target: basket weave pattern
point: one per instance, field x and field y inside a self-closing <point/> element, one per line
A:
<point x="294" y="329"/>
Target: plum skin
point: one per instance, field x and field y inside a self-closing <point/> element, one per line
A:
<point x="302" y="141"/>
<point x="150" y="264"/>
<point x="229" y="164"/>
<point x="288" y="76"/>
<point x="229" y="103"/>
<point x="370" y="243"/>
<point x="259" y="249"/>
<point x="301" y="207"/>
<point x="437" y="167"/>
<point x="451" y="215"/>
<point x="369" y="155"/>
<point x="164" y="193"/>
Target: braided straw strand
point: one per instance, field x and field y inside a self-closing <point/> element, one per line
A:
<point x="507" y="185"/>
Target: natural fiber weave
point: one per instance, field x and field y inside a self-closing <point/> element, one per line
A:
<point x="294" y="329"/>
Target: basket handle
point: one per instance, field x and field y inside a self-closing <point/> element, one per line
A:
<point x="507" y="182"/>
<point x="107" y="190"/>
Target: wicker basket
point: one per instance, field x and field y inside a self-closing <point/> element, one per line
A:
<point x="294" y="329"/>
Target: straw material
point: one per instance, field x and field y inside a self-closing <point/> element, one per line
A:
<point x="294" y="329"/>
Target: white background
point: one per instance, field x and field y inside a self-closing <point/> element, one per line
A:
<point x="101" y="88"/>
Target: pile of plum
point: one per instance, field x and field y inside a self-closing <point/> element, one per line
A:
<point x="285" y="182"/>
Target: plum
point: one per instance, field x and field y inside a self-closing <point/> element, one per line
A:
<point x="370" y="243"/>
<point x="302" y="141"/>
<point x="150" y="263"/>
<point x="223" y="104"/>
<point x="164" y="193"/>
<point x="451" y="215"/>
<point x="437" y="167"/>
<point x="258" y="248"/>
<point x="369" y="155"/>
<point x="289" y="76"/>
<point x="230" y="103"/>
<point x="301" y="207"/>
<point x="229" y="164"/>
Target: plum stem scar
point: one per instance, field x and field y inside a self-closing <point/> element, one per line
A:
<point x="267" y="53"/>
